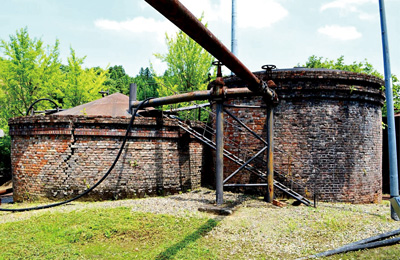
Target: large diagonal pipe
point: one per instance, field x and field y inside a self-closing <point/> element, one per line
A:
<point x="178" y="14"/>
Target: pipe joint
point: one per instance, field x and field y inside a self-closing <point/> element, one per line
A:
<point x="218" y="92"/>
<point x="265" y="88"/>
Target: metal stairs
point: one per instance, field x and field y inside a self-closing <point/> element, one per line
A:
<point x="240" y="162"/>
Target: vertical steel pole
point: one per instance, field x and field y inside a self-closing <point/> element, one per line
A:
<point x="219" y="173"/>
<point x="394" y="180"/>
<point x="269" y="197"/>
<point x="233" y="29"/>
<point x="132" y="96"/>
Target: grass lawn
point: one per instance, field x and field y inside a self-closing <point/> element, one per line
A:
<point x="255" y="231"/>
<point x="115" y="233"/>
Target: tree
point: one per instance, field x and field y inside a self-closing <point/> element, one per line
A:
<point x="359" y="67"/>
<point x="118" y="80"/>
<point x="188" y="65"/>
<point x="147" y="86"/>
<point x="81" y="85"/>
<point x="28" y="72"/>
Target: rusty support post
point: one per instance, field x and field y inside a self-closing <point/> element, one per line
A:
<point x="269" y="196"/>
<point x="219" y="136"/>
<point x="219" y="168"/>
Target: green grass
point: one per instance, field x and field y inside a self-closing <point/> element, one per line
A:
<point x="105" y="234"/>
<point x="255" y="231"/>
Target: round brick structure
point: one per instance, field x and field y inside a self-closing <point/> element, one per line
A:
<point x="327" y="132"/>
<point x="60" y="156"/>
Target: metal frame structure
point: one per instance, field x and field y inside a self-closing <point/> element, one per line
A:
<point x="174" y="11"/>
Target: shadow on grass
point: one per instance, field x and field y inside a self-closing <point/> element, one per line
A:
<point x="199" y="233"/>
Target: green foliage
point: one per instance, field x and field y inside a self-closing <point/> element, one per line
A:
<point x="29" y="71"/>
<point x="359" y="67"/>
<point x="189" y="66"/>
<point x="147" y="86"/>
<point x="118" y="80"/>
<point x="81" y="85"/>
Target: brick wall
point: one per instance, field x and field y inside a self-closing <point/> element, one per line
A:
<point x="60" y="156"/>
<point x="327" y="133"/>
<point x="327" y="138"/>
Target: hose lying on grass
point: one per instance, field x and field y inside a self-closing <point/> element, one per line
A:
<point x="99" y="181"/>
<point x="371" y="242"/>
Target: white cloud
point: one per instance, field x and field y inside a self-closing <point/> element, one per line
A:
<point x="351" y="6"/>
<point x="137" y="25"/>
<point x="343" y="33"/>
<point x="366" y="16"/>
<point x="266" y="13"/>
<point x="212" y="11"/>
<point x="345" y="4"/>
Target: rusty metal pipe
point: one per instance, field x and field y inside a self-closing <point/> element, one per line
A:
<point x="179" y="15"/>
<point x="195" y="95"/>
<point x="269" y="196"/>
<point x="219" y="160"/>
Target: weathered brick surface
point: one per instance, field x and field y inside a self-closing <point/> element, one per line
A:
<point x="327" y="136"/>
<point x="60" y="156"/>
<point x="327" y="133"/>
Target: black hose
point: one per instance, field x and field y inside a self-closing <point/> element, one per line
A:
<point x="357" y="247"/>
<point x="98" y="182"/>
<point x="40" y="99"/>
<point x="370" y="242"/>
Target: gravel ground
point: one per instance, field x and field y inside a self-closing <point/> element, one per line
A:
<point x="185" y="204"/>
<point x="256" y="229"/>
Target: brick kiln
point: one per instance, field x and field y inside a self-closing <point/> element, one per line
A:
<point x="327" y="132"/>
<point x="61" y="155"/>
<point x="327" y="135"/>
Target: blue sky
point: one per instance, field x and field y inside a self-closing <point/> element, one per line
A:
<point x="280" y="32"/>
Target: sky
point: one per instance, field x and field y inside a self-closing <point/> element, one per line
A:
<point x="280" y="32"/>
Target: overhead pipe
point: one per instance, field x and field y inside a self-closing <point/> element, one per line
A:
<point x="195" y="95"/>
<point x="178" y="14"/>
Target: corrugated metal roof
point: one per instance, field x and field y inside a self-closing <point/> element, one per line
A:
<point x="113" y="105"/>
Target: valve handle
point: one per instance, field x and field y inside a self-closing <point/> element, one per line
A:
<point x="268" y="67"/>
